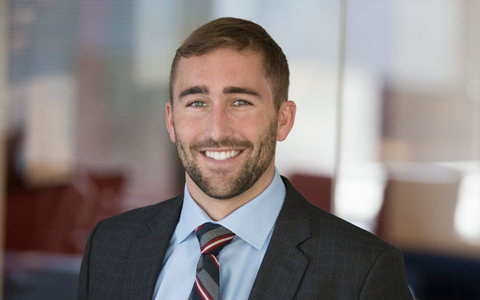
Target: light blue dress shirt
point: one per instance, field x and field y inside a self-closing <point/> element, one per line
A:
<point x="239" y="261"/>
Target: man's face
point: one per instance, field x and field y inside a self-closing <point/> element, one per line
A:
<point x="223" y="121"/>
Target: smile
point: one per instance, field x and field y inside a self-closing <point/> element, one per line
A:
<point x="221" y="155"/>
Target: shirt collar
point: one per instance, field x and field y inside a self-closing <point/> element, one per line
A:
<point x="252" y="222"/>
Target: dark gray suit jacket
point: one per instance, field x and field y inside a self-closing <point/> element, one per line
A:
<point x="312" y="255"/>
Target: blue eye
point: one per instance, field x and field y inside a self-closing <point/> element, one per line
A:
<point x="241" y="102"/>
<point x="197" y="104"/>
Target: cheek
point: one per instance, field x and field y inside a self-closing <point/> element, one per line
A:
<point x="254" y="129"/>
<point x="187" y="130"/>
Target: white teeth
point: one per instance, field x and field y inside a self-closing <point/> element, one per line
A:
<point x="221" y="155"/>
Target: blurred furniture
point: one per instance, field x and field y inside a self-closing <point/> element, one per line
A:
<point x="315" y="188"/>
<point x="418" y="217"/>
<point x="418" y="212"/>
<point x="59" y="218"/>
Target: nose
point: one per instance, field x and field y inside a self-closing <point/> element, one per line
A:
<point x="219" y="123"/>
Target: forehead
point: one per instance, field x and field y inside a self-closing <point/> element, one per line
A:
<point x="222" y="66"/>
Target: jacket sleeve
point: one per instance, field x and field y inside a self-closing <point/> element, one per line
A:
<point x="82" y="289"/>
<point x="387" y="278"/>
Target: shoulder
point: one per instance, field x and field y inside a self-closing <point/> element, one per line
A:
<point x="111" y="241"/>
<point x="112" y="237"/>
<point x="144" y="213"/>
<point x="326" y="224"/>
<point x="331" y="233"/>
<point x="343" y="258"/>
<point x="136" y="221"/>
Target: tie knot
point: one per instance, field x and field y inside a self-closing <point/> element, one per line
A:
<point x="213" y="237"/>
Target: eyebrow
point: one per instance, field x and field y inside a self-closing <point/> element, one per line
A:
<point x="227" y="90"/>
<point x="194" y="90"/>
<point x="240" y="90"/>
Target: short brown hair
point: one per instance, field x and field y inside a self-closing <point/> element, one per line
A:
<point x="240" y="35"/>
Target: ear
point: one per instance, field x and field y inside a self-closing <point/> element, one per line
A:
<point x="286" y="118"/>
<point x="170" y="128"/>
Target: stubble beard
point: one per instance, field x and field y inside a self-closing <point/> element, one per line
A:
<point x="252" y="169"/>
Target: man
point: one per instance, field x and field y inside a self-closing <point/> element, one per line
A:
<point x="228" y="108"/>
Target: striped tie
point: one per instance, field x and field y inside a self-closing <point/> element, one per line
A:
<point x="212" y="239"/>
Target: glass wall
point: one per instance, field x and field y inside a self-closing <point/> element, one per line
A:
<point x="409" y="155"/>
<point x="421" y="60"/>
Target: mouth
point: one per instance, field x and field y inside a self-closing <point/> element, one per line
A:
<point x="221" y="155"/>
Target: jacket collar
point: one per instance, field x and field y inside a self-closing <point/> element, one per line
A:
<point x="146" y="254"/>
<point x="284" y="264"/>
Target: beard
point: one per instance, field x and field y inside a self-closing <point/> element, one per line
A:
<point x="255" y="165"/>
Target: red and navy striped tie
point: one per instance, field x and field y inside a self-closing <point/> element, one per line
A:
<point x="212" y="239"/>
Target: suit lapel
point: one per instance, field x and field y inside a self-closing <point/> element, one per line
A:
<point x="146" y="254"/>
<point x="284" y="264"/>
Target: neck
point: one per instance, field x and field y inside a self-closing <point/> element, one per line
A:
<point x="218" y="209"/>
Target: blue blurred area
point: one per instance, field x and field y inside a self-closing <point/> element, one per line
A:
<point x="442" y="277"/>
<point x="42" y="285"/>
<point x="41" y="276"/>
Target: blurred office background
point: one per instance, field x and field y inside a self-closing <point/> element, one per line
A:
<point x="387" y="133"/>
